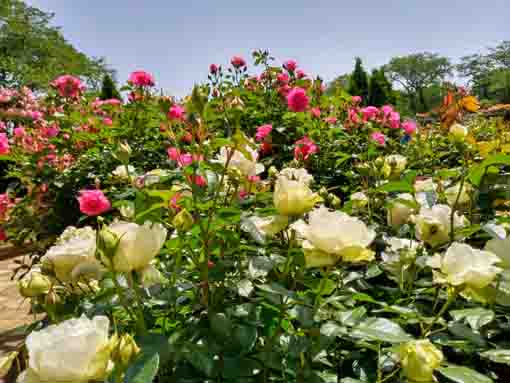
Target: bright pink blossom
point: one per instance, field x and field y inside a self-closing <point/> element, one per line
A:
<point x="356" y="99"/>
<point x="141" y="78"/>
<point x="4" y="144"/>
<point x="213" y="68"/>
<point x="50" y="131"/>
<point x="176" y="112"/>
<point x="369" y="113"/>
<point x="297" y="100"/>
<point x="282" y="78"/>
<point x="290" y="65"/>
<point x="394" y="120"/>
<point x="263" y="131"/>
<point x="354" y="116"/>
<point x="409" y="127"/>
<point x="387" y="110"/>
<point x="68" y="86"/>
<point x="93" y="202"/>
<point x="315" y="112"/>
<point x="198" y="180"/>
<point x="300" y="74"/>
<point x="254" y="179"/>
<point x="19" y="131"/>
<point x="182" y="159"/>
<point x="304" y="148"/>
<point x="331" y="120"/>
<point x="237" y="62"/>
<point x="379" y="138"/>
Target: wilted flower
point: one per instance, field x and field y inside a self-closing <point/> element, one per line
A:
<point x="331" y="236"/>
<point x="297" y="100"/>
<point x="93" y="202"/>
<point x="399" y="212"/>
<point x="419" y="359"/>
<point x="293" y="198"/>
<point x="137" y="244"/>
<point x="76" y="350"/>
<point x="141" y="78"/>
<point x="73" y="248"/>
<point x="394" y="165"/>
<point x="433" y="225"/>
<point x="464" y="265"/>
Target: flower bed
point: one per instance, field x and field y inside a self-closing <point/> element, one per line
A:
<point x="258" y="230"/>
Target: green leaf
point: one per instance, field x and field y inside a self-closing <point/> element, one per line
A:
<point x="476" y="174"/>
<point x="202" y="360"/>
<point x="476" y="318"/>
<point x="463" y="375"/>
<point x="143" y="370"/>
<point x="396" y="186"/>
<point x="245" y="336"/>
<point x="221" y="325"/>
<point x="497" y="356"/>
<point x="380" y="330"/>
<point x="235" y="367"/>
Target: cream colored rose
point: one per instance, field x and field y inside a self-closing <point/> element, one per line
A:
<point x="359" y="200"/>
<point x="261" y="227"/>
<point x="394" y="165"/>
<point x="464" y="265"/>
<point x="245" y="165"/>
<point x="74" y="247"/>
<point x="458" y="132"/>
<point x="121" y="172"/>
<point x="137" y="244"/>
<point x="433" y="225"/>
<point x="300" y="175"/>
<point x="76" y="350"/>
<point x="419" y="359"/>
<point x="500" y="247"/>
<point x="293" y="198"/>
<point x="465" y="196"/>
<point x="399" y="212"/>
<point x="331" y="236"/>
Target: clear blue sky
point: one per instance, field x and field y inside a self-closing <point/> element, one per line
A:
<point x="176" y="40"/>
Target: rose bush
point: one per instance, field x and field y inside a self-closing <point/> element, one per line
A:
<point x="258" y="230"/>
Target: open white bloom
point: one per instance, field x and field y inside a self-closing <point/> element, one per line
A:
<point x="465" y="196"/>
<point x="154" y="176"/>
<point x="332" y="235"/>
<point x="425" y="192"/>
<point x="433" y="225"/>
<point x="122" y="172"/>
<point x="293" y="198"/>
<point x="458" y="131"/>
<point x="245" y="165"/>
<point x="359" y="200"/>
<point x="399" y="212"/>
<point x="138" y="244"/>
<point x="394" y="165"/>
<point x="300" y="175"/>
<point x="500" y="247"/>
<point x="402" y="244"/>
<point x="261" y="227"/>
<point x="464" y="265"/>
<point x="76" y="350"/>
<point x="74" y="247"/>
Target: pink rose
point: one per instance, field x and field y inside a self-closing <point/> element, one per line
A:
<point x="290" y="65"/>
<point x="176" y="112"/>
<point x="315" y="112"/>
<point x="394" y="119"/>
<point x="282" y="78"/>
<point x="4" y="144"/>
<point x="50" y="131"/>
<point x="356" y="99"/>
<point x="331" y="120"/>
<point x="387" y="110"/>
<point x="198" y="180"/>
<point x="213" y="68"/>
<point x="409" y="127"/>
<point x="300" y="74"/>
<point x="107" y="121"/>
<point x="304" y="148"/>
<point x="354" y="116"/>
<point x="68" y="86"/>
<point x="284" y="90"/>
<point x="93" y="202"/>
<point x="141" y="78"/>
<point x="263" y="131"/>
<point x="297" y="100"/>
<point x="19" y="131"/>
<point x="369" y="113"/>
<point x="237" y="62"/>
<point x="379" y="138"/>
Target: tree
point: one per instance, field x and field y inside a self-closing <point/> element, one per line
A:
<point x="417" y="72"/>
<point x="33" y="53"/>
<point x="358" y="84"/>
<point x="339" y="83"/>
<point x="109" y="89"/>
<point x="380" y="90"/>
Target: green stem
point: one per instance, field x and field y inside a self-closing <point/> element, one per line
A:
<point x="140" y="320"/>
<point x="449" y="301"/>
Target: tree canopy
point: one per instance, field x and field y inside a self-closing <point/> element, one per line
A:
<point x="358" y="84"/>
<point x="33" y="53"/>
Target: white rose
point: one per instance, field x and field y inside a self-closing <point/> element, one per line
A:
<point x="74" y="247"/>
<point x="76" y="350"/>
<point x="359" y="200"/>
<point x="332" y="235"/>
<point x="300" y="175"/>
<point x="394" y="165"/>
<point x="500" y="247"/>
<point x="122" y="173"/>
<point x="399" y="212"/>
<point x="458" y="131"/>
<point x="463" y="265"/>
<point x="426" y="185"/>
<point x="246" y="166"/>
<point x="138" y="244"/>
<point x="154" y="176"/>
<point x="433" y="225"/>
<point x="261" y="227"/>
<point x="465" y="196"/>
<point x="293" y="198"/>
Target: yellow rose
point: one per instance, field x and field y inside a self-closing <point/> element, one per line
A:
<point x="293" y="198"/>
<point x="419" y="359"/>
